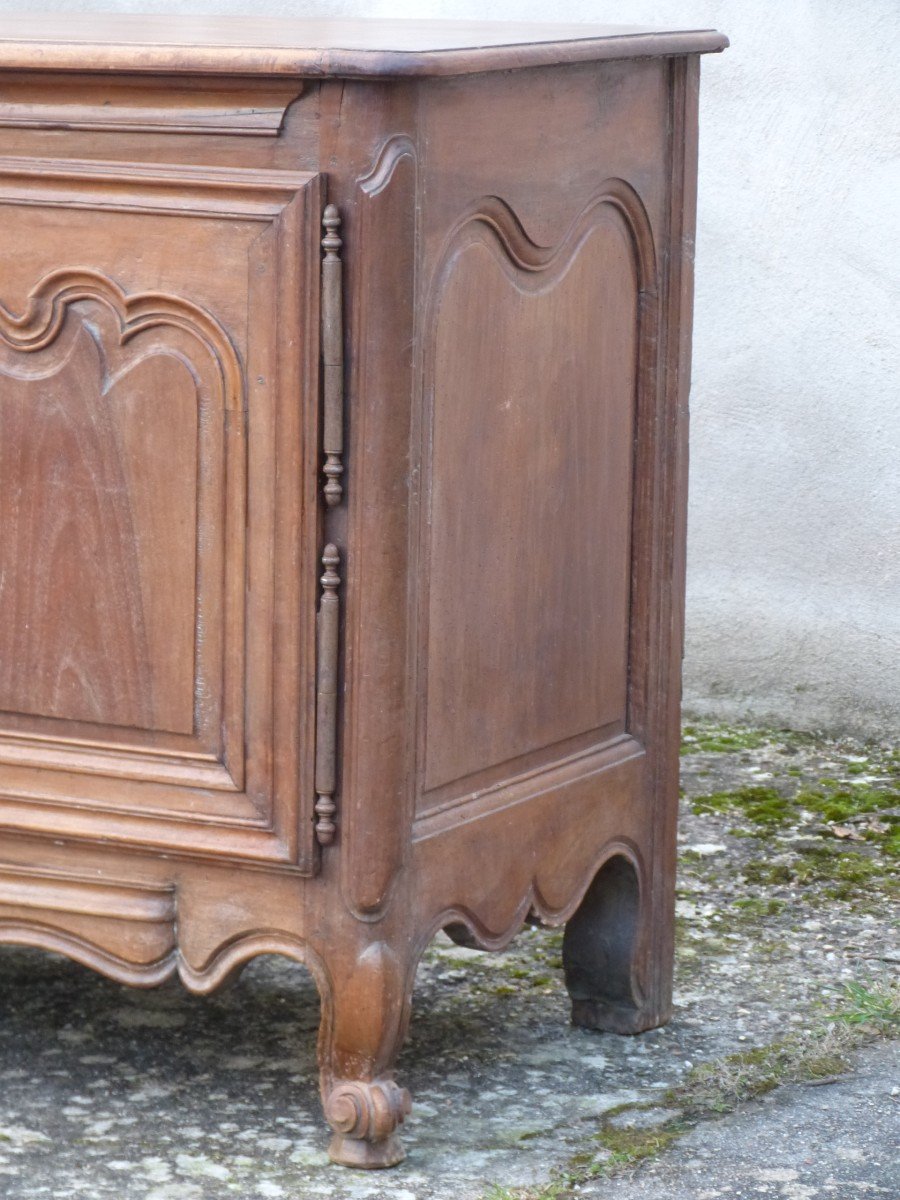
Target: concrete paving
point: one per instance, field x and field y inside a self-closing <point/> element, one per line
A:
<point x="107" y="1093"/>
<point x="802" y="1142"/>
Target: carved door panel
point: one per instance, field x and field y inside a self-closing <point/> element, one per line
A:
<point x="158" y="401"/>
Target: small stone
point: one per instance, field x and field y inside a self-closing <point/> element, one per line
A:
<point x="200" y="1166"/>
<point x="274" y="1145"/>
<point x="18" y="1136"/>
<point x="240" y="1062"/>
<point x="642" y="1118"/>
<point x="156" y="1170"/>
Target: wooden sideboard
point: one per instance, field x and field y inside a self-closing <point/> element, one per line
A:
<point x="343" y="390"/>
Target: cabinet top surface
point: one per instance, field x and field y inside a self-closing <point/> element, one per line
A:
<point x="287" y="46"/>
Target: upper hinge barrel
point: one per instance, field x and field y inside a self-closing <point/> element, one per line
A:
<point x="332" y="357"/>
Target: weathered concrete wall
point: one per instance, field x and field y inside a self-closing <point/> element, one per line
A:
<point x="794" y="573"/>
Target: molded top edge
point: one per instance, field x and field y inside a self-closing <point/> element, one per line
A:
<point x="229" y="45"/>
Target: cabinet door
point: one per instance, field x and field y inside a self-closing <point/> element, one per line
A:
<point x="158" y="449"/>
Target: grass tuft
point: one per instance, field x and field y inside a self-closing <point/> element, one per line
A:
<point x="714" y="1088"/>
<point x="876" y="1007"/>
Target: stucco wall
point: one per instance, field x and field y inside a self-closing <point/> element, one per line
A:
<point x="794" y="562"/>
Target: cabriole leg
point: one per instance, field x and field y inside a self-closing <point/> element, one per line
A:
<point x="364" y="1022"/>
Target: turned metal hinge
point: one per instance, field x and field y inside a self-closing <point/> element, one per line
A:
<point x="332" y="357"/>
<point x="328" y="617"/>
<point x="327" y="626"/>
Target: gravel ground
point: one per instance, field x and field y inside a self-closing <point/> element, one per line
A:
<point x="107" y="1093"/>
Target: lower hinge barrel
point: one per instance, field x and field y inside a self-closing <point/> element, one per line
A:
<point x="327" y="628"/>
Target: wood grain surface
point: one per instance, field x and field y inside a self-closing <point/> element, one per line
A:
<point x="97" y="561"/>
<point x="533" y="398"/>
<point x="290" y="46"/>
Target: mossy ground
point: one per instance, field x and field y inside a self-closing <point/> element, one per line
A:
<point x="829" y="828"/>
<point x="807" y="838"/>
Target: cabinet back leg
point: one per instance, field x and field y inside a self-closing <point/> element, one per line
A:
<point x="602" y="950"/>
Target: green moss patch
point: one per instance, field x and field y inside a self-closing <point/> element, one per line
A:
<point x="848" y="873"/>
<point x="758" y="907"/>
<point x="761" y="805"/>
<point x="631" y="1145"/>
<point x="760" y="871"/>
<point x="842" y="874"/>
<point x="722" y="739"/>
<point x="837" y="803"/>
<point x="619" y="1149"/>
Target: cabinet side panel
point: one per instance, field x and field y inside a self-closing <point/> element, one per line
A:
<point x="540" y="340"/>
<point x="533" y="397"/>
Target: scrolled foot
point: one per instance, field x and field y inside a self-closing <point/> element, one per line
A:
<point x="365" y="1117"/>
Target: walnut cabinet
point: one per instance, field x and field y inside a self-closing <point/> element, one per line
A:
<point x="343" y="387"/>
